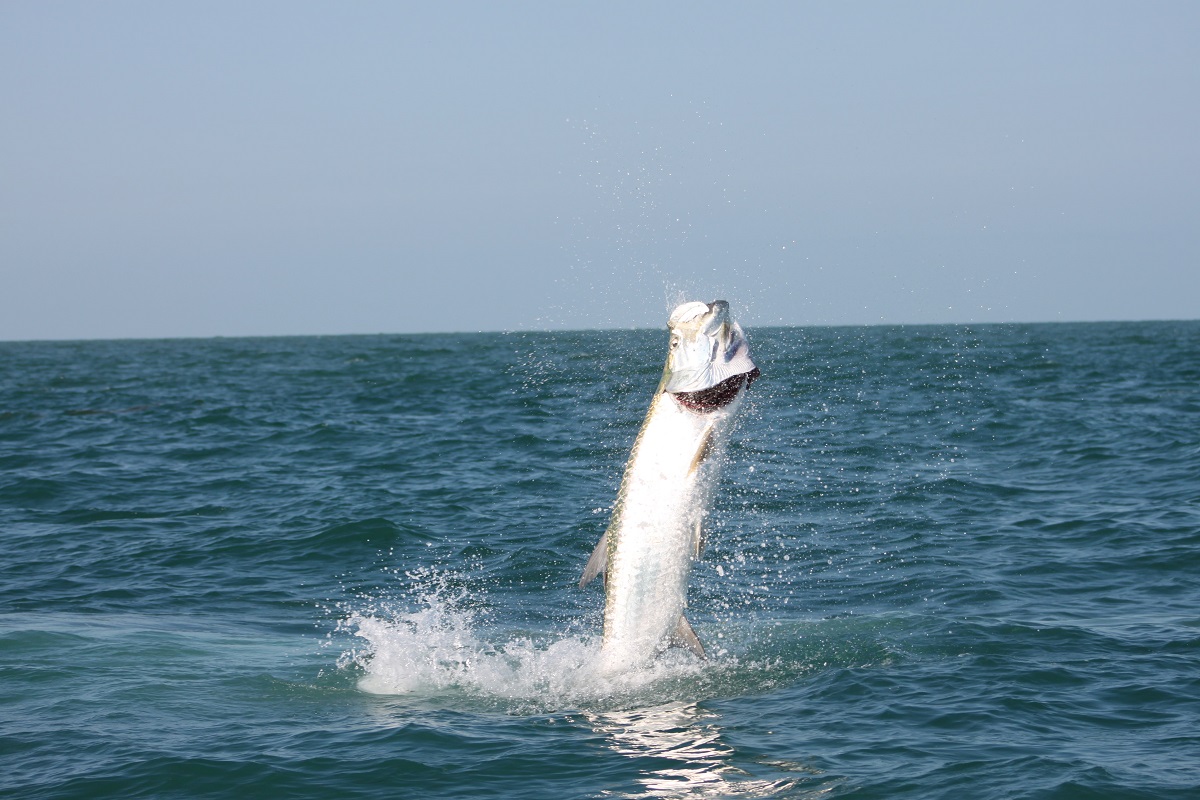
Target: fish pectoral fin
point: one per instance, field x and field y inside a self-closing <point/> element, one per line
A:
<point x="596" y="563"/>
<point x="684" y="636"/>
<point x="703" y="451"/>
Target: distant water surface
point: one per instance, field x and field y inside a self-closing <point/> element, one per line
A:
<point x="946" y="562"/>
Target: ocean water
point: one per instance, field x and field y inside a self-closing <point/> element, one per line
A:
<point x="945" y="562"/>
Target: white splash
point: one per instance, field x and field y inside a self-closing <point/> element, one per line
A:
<point x="442" y="649"/>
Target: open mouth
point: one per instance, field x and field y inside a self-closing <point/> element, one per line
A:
<point x="718" y="396"/>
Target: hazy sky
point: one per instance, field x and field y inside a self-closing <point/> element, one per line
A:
<point x="205" y="168"/>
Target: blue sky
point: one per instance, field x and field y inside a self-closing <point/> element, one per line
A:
<point x="220" y="168"/>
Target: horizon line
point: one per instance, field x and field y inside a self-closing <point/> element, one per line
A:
<point x="513" y="331"/>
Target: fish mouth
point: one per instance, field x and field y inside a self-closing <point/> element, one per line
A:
<point x="718" y="396"/>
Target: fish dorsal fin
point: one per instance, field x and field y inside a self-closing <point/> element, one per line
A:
<point x="596" y="563"/>
<point x="684" y="636"/>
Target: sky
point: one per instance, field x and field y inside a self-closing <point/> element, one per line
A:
<point x="277" y="168"/>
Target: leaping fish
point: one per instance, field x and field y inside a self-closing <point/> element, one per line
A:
<point x="655" y="534"/>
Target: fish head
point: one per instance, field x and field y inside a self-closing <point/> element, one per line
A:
<point x="707" y="349"/>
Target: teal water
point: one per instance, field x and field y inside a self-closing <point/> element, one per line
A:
<point x="947" y="562"/>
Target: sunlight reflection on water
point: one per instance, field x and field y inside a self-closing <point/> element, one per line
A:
<point x="684" y="743"/>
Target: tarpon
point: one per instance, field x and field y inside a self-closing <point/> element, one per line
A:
<point x="656" y="531"/>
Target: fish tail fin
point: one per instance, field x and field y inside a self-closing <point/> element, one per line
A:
<point x="596" y="563"/>
<point x="684" y="636"/>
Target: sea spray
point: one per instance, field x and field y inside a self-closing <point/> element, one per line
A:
<point x="435" y="641"/>
<point x="440" y="645"/>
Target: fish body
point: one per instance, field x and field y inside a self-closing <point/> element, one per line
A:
<point x="656" y="531"/>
